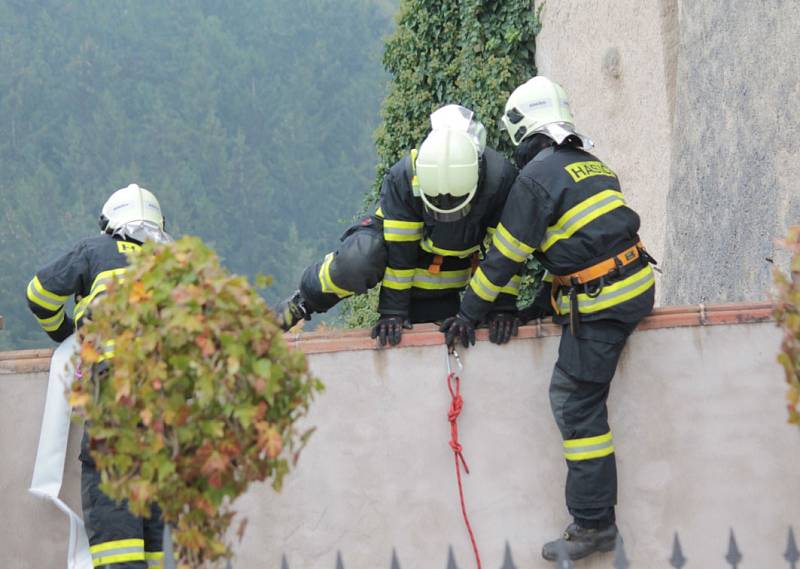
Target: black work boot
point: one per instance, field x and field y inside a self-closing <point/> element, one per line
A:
<point x="292" y="310"/>
<point x="581" y="542"/>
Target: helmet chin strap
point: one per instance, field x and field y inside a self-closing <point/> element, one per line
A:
<point x="450" y="216"/>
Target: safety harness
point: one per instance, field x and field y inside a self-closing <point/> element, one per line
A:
<point x="593" y="279"/>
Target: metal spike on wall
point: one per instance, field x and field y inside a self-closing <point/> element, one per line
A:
<point x="792" y="555"/>
<point x="451" y="559"/>
<point x="339" y="563"/>
<point x="562" y="559"/>
<point x="395" y="563"/>
<point x="169" y="556"/>
<point x="677" y="560"/>
<point x="284" y="563"/>
<point x="620" y="559"/>
<point x="508" y="561"/>
<point x="734" y="556"/>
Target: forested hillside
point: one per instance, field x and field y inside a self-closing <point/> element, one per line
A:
<point x="251" y="121"/>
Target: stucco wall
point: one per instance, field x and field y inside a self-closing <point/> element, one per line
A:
<point x="735" y="170"/>
<point x="698" y="420"/>
<point x="695" y="105"/>
<point x="615" y="60"/>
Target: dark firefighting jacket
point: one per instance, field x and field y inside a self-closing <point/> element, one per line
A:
<point x="567" y="209"/>
<point x="83" y="272"/>
<point x="427" y="258"/>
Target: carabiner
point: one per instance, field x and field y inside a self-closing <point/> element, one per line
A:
<point x="452" y="352"/>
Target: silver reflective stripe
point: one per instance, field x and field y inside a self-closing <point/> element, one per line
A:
<point x="589" y="448"/>
<point x="433" y="279"/>
<point x="117" y="551"/>
<point x="487" y="292"/>
<point x="402" y="230"/>
<point x="46" y="302"/>
<point x="586" y="303"/>
<point x="397" y="279"/>
<point x="551" y="234"/>
<point x="513" y="248"/>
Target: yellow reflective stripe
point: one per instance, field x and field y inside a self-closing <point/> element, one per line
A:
<point x="396" y="230"/>
<point x="510" y="246"/>
<point x="581" y="215"/>
<point x="99" y="286"/>
<point x="428" y="246"/>
<point x="589" y="447"/>
<point x="612" y="294"/>
<point x="547" y="278"/>
<point x="326" y="283"/>
<point x="490" y="231"/>
<point x="52" y="323"/>
<point x="379" y="212"/>
<point x="121" y="558"/>
<point x="120" y="543"/>
<point x="153" y="558"/>
<point x="513" y="285"/>
<point x="442" y="280"/>
<point x="39" y="295"/>
<point x="398" y="279"/>
<point x="483" y="287"/>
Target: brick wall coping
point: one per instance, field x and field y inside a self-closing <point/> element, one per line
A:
<point x="330" y="340"/>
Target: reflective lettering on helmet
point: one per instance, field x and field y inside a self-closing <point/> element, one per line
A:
<point x="125" y="247"/>
<point x="582" y="170"/>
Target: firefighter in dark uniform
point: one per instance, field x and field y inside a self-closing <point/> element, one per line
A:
<point x="566" y="208"/>
<point x="436" y="208"/>
<point x="132" y="215"/>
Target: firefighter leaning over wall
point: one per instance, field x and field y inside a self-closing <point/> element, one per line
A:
<point x="131" y="216"/>
<point x="566" y="208"/>
<point x="436" y="207"/>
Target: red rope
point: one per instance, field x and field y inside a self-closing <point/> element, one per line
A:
<point x="456" y="405"/>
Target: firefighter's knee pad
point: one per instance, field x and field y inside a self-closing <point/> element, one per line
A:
<point x="562" y="386"/>
<point x="359" y="263"/>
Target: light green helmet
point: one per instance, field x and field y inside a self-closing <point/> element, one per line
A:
<point x="540" y="106"/>
<point x="447" y="171"/>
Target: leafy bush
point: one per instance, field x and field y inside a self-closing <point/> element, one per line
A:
<point x="202" y="397"/>
<point x="787" y="313"/>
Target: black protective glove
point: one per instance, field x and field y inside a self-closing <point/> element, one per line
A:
<point x="502" y="326"/>
<point x="389" y="329"/>
<point x="458" y="327"/>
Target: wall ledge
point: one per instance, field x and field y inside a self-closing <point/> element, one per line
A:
<point x="32" y="361"/>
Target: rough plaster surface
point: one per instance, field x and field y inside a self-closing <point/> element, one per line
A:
<point x="701" y="438"/>
<point x="616" y="60"/>
<point x="735" y="166"/>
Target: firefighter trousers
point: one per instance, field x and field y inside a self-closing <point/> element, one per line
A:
<point x="117" y="538"/>
<point x="579" y="390"/>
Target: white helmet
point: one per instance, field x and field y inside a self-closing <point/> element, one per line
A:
<point x="460" y="118"/>
<point x="447" y="171"/>
<point x="540" y="106"/>
<point x="134" y="213"/>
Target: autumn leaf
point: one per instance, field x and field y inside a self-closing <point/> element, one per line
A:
<point x="79" y="399"/>
<point x="138" y="293"/>
<point x="88" y="354"/>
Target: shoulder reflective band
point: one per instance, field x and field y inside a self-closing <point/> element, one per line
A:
<point x="610" y="295"/>
<point x="39" y="295"/>
<point x="326" y="283"/>
<point x="398" y="279"/>
<point x="510" y="246"/>
<point x="483" y="287"/>
<point x="581" y="215"/>
<point x="588" y="448"/>
<point x="396" y="230"/>
<point x="428" y="246"/>
<point x="119" y="551"/>
<point x="52" y="323"/>
<point x="99" y="286"/>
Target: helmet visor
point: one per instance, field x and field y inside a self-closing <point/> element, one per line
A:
<point x="463" y="119"/>
<point x="143" y="231"/>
